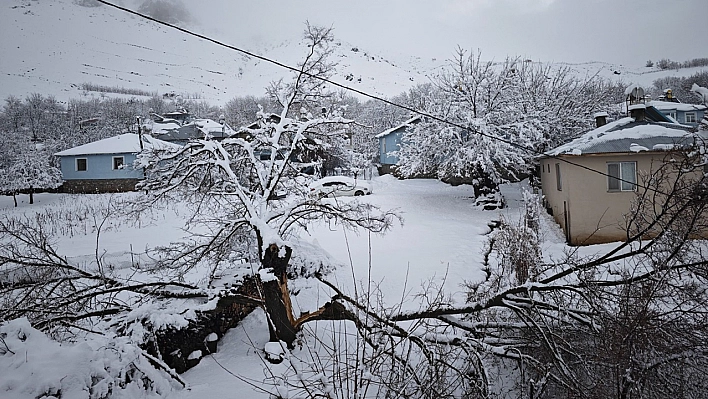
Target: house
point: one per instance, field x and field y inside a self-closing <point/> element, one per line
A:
<point x="686" y="114"/>
<point x="590" y="183"/>
<point x="390" y="141"/>
<point x="106" y="165"/>
<point x="179" y="127"/>
<point x="195" y="129"/>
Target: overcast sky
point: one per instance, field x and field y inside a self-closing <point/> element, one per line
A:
<point x="620" y="31"/>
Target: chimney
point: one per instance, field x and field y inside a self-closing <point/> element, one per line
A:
<point x="637" y="111"/>
<point x="600" y="118"/>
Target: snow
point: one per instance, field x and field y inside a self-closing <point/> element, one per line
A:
<point x="701" y="91"/>
<point x="162" y="128"/>
<point x="156" y="59"/>
<point x="669" y="106"/>
<point x="267" y="275"/>
<point x="440" y="244"/>
<point x="634" y="147"/>
<point x="275" y="351"/>
<point x="634" y="87"/>
<point x="127" y="143"/>
<point x="618" y="130"/>
<point x="32" y="365"/>
<point x="391" y="130"/>
<point x="664" y="147"/>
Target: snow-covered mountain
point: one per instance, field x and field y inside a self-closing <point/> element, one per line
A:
<point x="53" y="47"/>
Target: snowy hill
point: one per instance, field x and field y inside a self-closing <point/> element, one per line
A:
<point x="56" y="46"/>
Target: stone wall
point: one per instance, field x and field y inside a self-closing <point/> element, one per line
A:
<point x="99" y="186"/>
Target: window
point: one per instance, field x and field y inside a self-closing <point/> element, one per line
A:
<point x="559" y="184"/>
<point x="691" y="117"/>
<point x="117" y="163"/>
<point x="622" y="176"/>
<point x="671" y="114"/>
<point x="81" y="164"/>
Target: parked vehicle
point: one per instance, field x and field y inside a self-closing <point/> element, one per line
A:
<point x="336" y="186"/>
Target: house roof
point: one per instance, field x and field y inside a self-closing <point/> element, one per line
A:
<point x="670" y="106"/>
<point x="128" y="143"/>
<point x="267" y="118"/>
<point x="198" y="128"/>
<point x="625" y="136"/>
<point x="407" y="123"/>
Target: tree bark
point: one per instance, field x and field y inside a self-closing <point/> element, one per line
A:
<point x="276" y="297"/>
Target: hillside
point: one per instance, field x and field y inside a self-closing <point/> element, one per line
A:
<point x="57" y="46"/>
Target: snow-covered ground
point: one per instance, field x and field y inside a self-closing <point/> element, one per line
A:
<point x="440" y="242"/>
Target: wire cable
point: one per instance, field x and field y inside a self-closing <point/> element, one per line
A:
<point x="375" y="97"/>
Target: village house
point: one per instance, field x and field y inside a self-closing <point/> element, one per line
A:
<point x="589" y="184"/>
<point x="106" y="165"/>
<point x="179" y="127"/>
<point x="390" y="142"/>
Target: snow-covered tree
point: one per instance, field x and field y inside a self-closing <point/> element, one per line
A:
<point x="251" y="194"/>
<point x="31" y="170"/>
<point x="490" y="119"/>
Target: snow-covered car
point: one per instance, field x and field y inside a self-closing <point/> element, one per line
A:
<point x="337" y="186"/>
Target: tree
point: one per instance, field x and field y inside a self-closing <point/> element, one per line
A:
<point x="31" y="170"/>
<point x="239" y="182"/>
<point x="491" y="119"/>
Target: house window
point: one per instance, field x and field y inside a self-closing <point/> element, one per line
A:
<point x="117" y="163"/>
<point x="671" y="114"/>
<point x="621" y="176"/>
<point x="383" y="145"/>
<point x="81" y="164"/>
<point x="691" y="117"/>
<point x="559" y="185"/>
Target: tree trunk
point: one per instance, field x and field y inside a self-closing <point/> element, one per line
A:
<point x="281" y="322"/>
<point x="31" y="194"/>
<point x="14" y="198"/>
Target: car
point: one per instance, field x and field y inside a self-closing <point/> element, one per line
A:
<point x="337" y="186"/>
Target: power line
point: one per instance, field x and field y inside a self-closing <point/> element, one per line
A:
<point x="371" y="96"/>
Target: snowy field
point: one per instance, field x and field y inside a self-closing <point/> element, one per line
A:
<point x="439" y="244"/>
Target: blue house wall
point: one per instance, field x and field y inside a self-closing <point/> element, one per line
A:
<point x="99" y="167"/>
<point x="679" y="112"/>
<point x="387" y="144"/>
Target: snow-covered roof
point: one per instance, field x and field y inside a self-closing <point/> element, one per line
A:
<point x="197" y="128"/>
<point x="701" y="91"/>
<point x="407" y="123"/>
<point x="627" y="135"/>
<point x="128" y="143"/>
<point x="211" y="126"/>
<point x="670" y="106"/>
<point x="165" y="127"/>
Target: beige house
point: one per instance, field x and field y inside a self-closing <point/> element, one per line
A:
<point x="590" y="183"/>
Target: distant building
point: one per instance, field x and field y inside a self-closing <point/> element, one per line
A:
<point x="390" y="142"/>
<point x="179" y="127"/>
<point x="685" y="114"/>
<point x="106" y="165"/>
